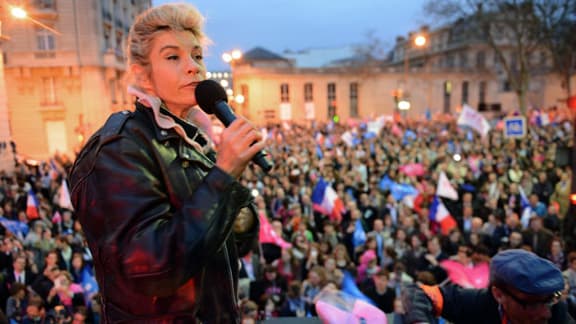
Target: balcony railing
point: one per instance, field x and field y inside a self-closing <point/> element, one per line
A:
<point x="45" y="54"/>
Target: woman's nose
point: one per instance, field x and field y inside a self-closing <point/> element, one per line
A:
<point x="193" y="66"/>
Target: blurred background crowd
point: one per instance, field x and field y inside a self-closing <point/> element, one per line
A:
<point x="348" y="207"/>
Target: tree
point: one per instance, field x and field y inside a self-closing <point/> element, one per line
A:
<point x="509" y="27"/>
<point x="558" y="34"/>
<point x="369" y="55"/>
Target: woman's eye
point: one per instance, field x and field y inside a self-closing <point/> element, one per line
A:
<point x="172" y="57"/>
<point x="198" y="57"/>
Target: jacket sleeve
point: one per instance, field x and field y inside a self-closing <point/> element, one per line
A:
<point x="418" y="305"/>
<point x="157" y="245"/>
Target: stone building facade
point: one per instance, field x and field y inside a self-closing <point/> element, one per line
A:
<point x="60" y="86"/>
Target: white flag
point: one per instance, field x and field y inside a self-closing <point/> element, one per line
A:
<point x="445" y="189"/>
<point x="471" y="118"/>
<point x="348" y="138"/>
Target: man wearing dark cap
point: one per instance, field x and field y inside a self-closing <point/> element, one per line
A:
<point x="524" y="289"/>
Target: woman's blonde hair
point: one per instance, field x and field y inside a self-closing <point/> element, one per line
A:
<point x="176" y="17"/>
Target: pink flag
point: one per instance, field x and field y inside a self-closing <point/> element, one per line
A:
<point x="413" y="169"/>
<point x="396" y="130"/>
<point x="56" y="218"/>
<point x="467" y="277"/>
<point x="268" y="235"/>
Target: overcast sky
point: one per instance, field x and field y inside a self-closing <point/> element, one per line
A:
<point x="300" y="24"/>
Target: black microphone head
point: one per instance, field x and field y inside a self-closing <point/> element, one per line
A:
<point x="208" y="93"/>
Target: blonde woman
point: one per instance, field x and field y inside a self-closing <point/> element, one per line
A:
<point x="157" y="206"/>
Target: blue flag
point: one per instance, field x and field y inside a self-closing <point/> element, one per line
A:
<point x="400" y="190"/>
<point x="359" y="235"/>
<point x="386" y="183"/>
<point x="89" y="285"/>
<point x="349" y="286"/>
<point x="16" y="227"/>
<point x="319" y="153"/>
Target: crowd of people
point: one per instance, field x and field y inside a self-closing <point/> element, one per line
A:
<point x="512" y="193"/>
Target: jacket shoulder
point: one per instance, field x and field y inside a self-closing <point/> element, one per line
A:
<point x="85" y="158"/>
<point x="113" y="126"/>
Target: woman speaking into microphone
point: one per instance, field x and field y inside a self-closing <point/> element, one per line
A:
<point x="159" y="208"/>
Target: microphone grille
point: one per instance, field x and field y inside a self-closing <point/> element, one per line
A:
<point x="208" y="93"/>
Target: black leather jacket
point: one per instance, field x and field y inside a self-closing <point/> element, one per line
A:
<point x="158" y="218"/>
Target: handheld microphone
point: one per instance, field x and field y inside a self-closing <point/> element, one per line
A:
<point x="212" y="98"/>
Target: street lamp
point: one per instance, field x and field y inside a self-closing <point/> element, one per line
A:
<point x="6" y="162"/>
<point x="20" y="13"/>
<point x="231" y="58"/>
<point x="420" y="40"/>
<point x="234" y="55"/>
<point x="417" y="41"/>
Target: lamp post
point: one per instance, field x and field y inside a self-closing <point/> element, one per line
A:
<point x="20" y="13"/>
<point x="417" y="41"/>
<point x="7" y="146"/>
<point x="6" y="143"/>
<point x="231" y="58"/>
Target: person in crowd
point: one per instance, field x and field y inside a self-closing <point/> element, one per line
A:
<point x="20" y="273"/>
<point x="380" y="292"/>
<point x="35" y="312"/>
<point x="524" y="288"/>
<point x="537" y="237"/>
<point x="15" y="306"/>
<point x="430" y="261"/>
<point x="294" y="304"/>
<point x="156" y="204"/>
<point x="249" y="311"/>
<point x="556" y="253"/>
<point x="311" y="287"/>
<point x="271" y="287"/>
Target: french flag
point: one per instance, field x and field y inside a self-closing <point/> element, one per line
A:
<point x="32" y="205"/>
<point x="441" y="215"/>
<point x="326" y="201"/>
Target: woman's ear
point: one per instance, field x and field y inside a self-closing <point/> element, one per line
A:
<point x="141" y="76"/>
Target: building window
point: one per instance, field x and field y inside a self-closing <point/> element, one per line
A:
<point x="308" y="92"/>
<point x="107" y="37"/>
<point x="447" y="92"/>
<point x="45" y="40"/>
<point x="481" y="60"/>
<point x="506" y="86"/>
<point x="450" y="60"/>
<point x="49" y="91"/>
<point x="464" y="59"/>
<point x="284" y="92"/>
<point x="119" y="47"/>
<point x="354" y="99"/>
<point x="45" y="4"/>
<point x="482" y="92"/>
<point x="331" y="100"/>
<point x="465" y="86"/>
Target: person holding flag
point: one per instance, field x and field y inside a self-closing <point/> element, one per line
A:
<point x="524" y="288"/>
